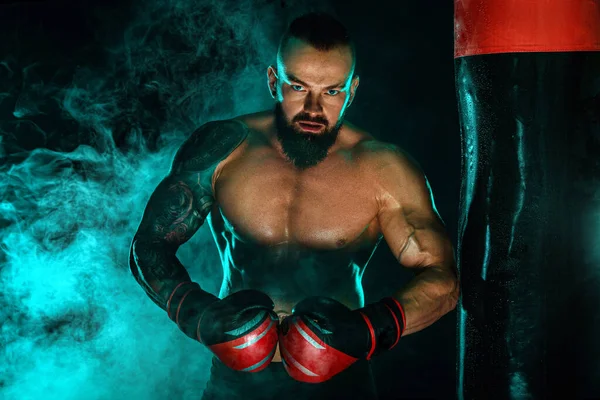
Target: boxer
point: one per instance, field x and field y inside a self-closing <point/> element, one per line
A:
<point x="297" y="199"/>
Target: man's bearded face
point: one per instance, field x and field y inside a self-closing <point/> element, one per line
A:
<point x="313" y="89"/>
<point x="305" y="149"/>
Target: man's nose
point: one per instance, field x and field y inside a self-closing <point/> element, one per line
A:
<point x="312" y="104"/>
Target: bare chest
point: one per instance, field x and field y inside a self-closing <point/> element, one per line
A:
<point x="266" y="201"/>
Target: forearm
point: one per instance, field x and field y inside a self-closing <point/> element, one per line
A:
<point x="427" y="297"/>
<point x="156" y="269"/>
<point x="166" y="281"/>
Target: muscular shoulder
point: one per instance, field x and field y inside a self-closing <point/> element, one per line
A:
<point x="208" y="145"/>
<point x="383" y="158"/>
<point x="397" y="177"/>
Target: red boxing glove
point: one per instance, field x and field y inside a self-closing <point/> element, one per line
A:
<point x="241" y="330"/>
<point x="323" y="337"/>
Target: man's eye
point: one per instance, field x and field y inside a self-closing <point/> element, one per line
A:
<point x="333" y="92"/>
<point x="297" y="88"/>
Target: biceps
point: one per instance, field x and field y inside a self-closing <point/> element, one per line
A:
<point x="174" y="213"/>
<point x="417" y="241"/>
<point x="426" y="246"/>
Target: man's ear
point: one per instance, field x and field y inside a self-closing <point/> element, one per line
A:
<point x="272" y="80"/>
<point x="353" y="87"/>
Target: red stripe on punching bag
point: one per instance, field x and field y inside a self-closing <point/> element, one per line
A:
<point x="508" y="26"/>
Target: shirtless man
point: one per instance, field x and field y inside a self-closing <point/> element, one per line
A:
<point x="297" y="199"/>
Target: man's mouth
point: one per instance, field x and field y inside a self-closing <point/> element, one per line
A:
<point x="310" y="126"/>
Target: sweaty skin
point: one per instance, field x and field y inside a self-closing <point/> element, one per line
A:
<point x="297" y="233"/>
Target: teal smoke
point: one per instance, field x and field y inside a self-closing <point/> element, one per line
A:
<point x="85" y="144"/>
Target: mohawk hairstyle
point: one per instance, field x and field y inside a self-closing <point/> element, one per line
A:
<point x="320" y="30"/>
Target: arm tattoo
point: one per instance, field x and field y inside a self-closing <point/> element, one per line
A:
<point x="170" y="220"/>
<point x="171" y="213"/>
<point x="178" y="207"/>
<point x="176" y="223"/>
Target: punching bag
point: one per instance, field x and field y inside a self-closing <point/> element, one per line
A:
<point x="528" y="87"/>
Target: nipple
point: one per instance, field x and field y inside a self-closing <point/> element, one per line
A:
<point x="340" y="242"/>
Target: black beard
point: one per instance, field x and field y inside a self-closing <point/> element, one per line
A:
<point x="304" y="149"/>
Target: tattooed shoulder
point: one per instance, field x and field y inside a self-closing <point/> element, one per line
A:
<point x="210" y="144"/>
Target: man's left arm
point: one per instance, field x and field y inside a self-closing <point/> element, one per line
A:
<point x="323" y="337"/>
<point x="416" y="235"/>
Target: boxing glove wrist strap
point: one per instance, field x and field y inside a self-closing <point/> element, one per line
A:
<point x="386" y="322"/>
<point x="186" y="305"/>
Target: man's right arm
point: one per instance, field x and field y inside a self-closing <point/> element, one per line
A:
<point x="175" y="211"/>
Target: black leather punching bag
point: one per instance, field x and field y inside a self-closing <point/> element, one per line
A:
<point x="528" y="87"/>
